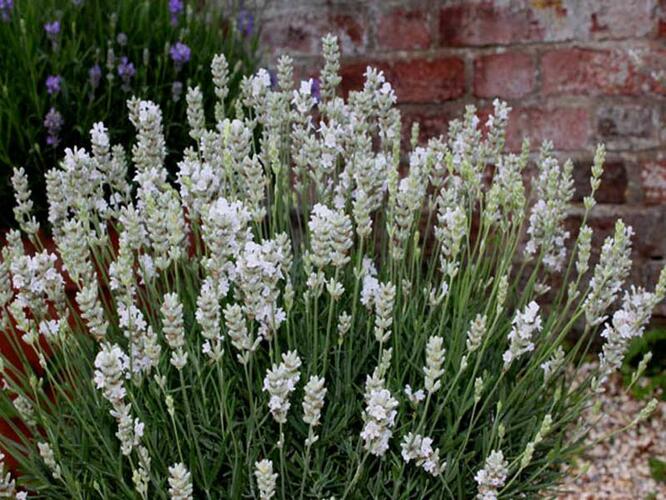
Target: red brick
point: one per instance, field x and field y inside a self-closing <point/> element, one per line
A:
<point x="495" y="22"/>
<point x="509" y="75"/>
<point x="653" y="181"/>
<point x="485" y="24"/>
<point x="403" y="30"/>
<point x="567" y="128"/>
<point x="302" y="31"/>
<point x="620" y="19"/>
<point x="590" y="72"/>
<point x="414" y="80"/>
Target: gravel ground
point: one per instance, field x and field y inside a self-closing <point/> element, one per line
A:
<point x="618" y="468"/>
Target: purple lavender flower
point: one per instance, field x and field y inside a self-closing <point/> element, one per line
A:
<point x="53" y="123"/>
<point x="53" y="84"/>
<point x="126" y="72"/>
<point x="315" y="89"/>
<point x="52" y="29"/>
<point x="6" y="7"/>
<point x="176" y="8"/>
<point x="180" y="54"/>
<point x="245" y="22"/>
<point x="121" y="38"/>
<point x="176" y="90"/>
<point x="95" y="76"/>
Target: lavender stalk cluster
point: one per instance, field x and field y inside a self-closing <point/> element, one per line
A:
<point x="53" y="83"/>
<point x="245" y="22"/>
<point x="6" y="8"/>
<point x="180" y="54"/>
<point x="492" y="476"/>
<point x="52" y="30"/>
<point x="95" y="77"/>
<point x="53" y="122"/>
<point x="126" y="72"/>
<point x="176" y="9"/>
<point x="302" y="302"/>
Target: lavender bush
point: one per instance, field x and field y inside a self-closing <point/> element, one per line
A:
<point x="294" y="318"/>
<point x="66" y="63"/>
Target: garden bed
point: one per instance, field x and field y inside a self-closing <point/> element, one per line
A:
<point x="620" y="467"/>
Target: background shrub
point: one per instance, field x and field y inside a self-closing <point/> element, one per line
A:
<point x="84" y="58"/>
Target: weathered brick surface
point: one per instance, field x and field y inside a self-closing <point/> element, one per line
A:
<point x="485" y="23"/>
<point x="402" y="29"/>
<point x="508" y="75"/>
<point x="628" y="126"/>
<point x="619" y="19"/>
<point x="591" y="72"/>
<point x="414" y="80"/>
<point x="575" y="72"/>
<point x="300" y="32"/>
<point x="568" y="128"/>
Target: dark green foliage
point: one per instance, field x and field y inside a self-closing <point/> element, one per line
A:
<point x="140" y="30"/>
<point x="653" y="341"/>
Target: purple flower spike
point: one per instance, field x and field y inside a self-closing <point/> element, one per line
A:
<point x="52" y="29"/>
<point x="53" y="123"/>
<point x="180" y="54"/>
<point x="176" y="8"/>
<point x="6" y="7"/>
<point x="126" y="72"/>
<point x="245" y="22"/>
<point x="315" y="89"/>
<point x="95" y="76"/>
<point x="176" y="90"/>
<point x="53" y="84"/>
<point x="121" y="39"/>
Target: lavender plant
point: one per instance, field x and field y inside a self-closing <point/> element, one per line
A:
<point x="64" y="64"/>
<point x="295" y="318"/>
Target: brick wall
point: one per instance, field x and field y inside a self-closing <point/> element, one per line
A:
<point x="565" y="66"/>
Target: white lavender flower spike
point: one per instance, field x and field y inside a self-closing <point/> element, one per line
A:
<point x="266" y="479"/>
<point x="180" y="483"/>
